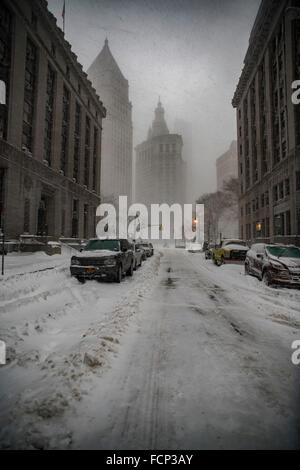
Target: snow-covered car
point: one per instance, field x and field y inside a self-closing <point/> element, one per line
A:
<point x="209" y="251"/>
<point x="274" y="264"/>
<point x="148" y="248"/>
<point x="195" y="248"/>
<point x="138" y="256"/>
<point x="103" y="259"/>
<point x="230" y="251"/>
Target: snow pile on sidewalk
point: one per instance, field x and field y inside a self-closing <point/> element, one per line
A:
<point x="59" y="335"/>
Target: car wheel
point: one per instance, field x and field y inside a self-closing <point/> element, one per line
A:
<point x="135" y="266"/>
<point x="119" y="275"/>
<point x="267" y="278"/>
<point x="141" y="262"/>
<point x="81" y="280"/>
<point x="220" y="262"/>
<point x="130" y="271"/>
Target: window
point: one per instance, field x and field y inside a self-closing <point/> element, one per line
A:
<point x="29" y="94"/>
<point x="65" y="130"/>
<point x="26" y="227"/>
<point x="87" y="150"/>
<point x="288" y="223"/>
<point x="75" y="217"/>
<point x="281" y="190"/>
<point x="267" y="229"/>
<point x="34" y="20"/>
<point x="279" y="225"/>
<point x="95" y="158"/>
<point x="53" y="49"/>
<point x="287" y="187"/>
<point x="49" y="114"/>
<point x="77" y="142"/>
<point x="262" y="200"/>
<point x="86" y="221"/>
<point x="275" y="193"/>
<point x="267" y="198"/>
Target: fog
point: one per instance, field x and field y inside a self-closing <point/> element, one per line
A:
<point x="188" y="52"/>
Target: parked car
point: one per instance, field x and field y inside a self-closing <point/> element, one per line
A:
<point x="104" y="259"/>
<point x="209" y="251"/>
<point x="205" y="246"/>
<point x="138" y="256"/>
<point x="274" y="264"/>
<point x="230" y="250"/>
<point x="148" y="248"/>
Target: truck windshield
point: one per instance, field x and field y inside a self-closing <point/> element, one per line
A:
<point x="110" y="245"/>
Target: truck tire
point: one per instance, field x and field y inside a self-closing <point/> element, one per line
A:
<point x="119" y="275"/>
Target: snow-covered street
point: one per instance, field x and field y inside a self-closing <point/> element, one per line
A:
<point x="184" y="355"/>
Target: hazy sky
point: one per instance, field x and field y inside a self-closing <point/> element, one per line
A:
<point x="188" y="52"/>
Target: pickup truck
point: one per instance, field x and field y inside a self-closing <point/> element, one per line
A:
<point x="104" y="259"/>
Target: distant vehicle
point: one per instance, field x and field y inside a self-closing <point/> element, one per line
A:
<point x="205" y="246"/>
<point x="147" y="247"/>
<point x="274" y="264"/>
<point x="195" y="248"/>
<point x="229" y="251"/>
<point x="138" y="256"/>
<point x="209" y="251"/>
<point x="104" y="259"/>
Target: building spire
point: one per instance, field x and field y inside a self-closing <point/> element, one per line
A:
<point x="159" y="126"/>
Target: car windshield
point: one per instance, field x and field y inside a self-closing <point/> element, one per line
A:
<point x="235" y="242"/>
<point x="284" y="251"/>
<point x="109" y="245"/>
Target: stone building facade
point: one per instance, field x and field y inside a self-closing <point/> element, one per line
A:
<point x="268" y="126"/>
<point x="160" y="169"/>
<point x="50" y="128"/>
<point x="117" y="143"/>
<point x="227" y="166"/>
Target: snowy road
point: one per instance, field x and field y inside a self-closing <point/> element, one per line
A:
<point x="206" y="366"/>
<point x="183" y="356"/>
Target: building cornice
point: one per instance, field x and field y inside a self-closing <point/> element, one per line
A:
<point x="257" y="44"/>
<point x="40" y="7"/>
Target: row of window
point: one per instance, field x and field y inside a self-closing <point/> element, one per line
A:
<point x="28" y="117"/>
<point x="280" y="191"/>
<point x="261" y="229"/>
<point x="43" y="217"/>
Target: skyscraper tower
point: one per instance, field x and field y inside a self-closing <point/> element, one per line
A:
<point x="160" y="169"/>
<point x="117" y="146"/>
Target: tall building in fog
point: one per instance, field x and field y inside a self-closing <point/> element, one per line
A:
<point x="160" y="169"/>
<point x="117" y="143"/>
<point x="268" y="125"/>
<point x="227" y="166"/>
